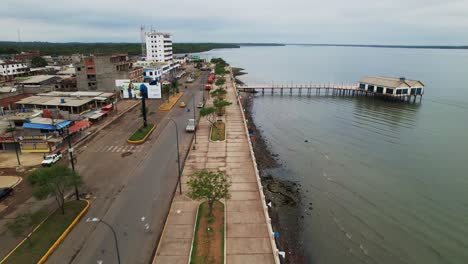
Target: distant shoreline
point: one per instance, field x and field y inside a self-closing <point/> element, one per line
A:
<point x="383" y="46"/>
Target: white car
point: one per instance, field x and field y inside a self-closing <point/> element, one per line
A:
<point x="200" y="105"/>
<point x="190" y="125"/>
<point x="50" y="160"/>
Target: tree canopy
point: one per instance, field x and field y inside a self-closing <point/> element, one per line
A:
<point x="55" y="180"/>
<point x="208" y="185"/>
<point x="38" y="62"/>
<point x="209" y="113"/>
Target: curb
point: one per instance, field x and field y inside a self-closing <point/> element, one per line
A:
<point x="136" y="142"/>
<point x="57" y="242"/>
<point x="165" y="109"/>
<point x="64" y="234"/>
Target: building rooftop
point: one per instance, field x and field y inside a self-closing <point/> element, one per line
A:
<point x="38" y="79"/>
<point x="54" y="101"/>
<point x="67" y="71"/>
<point x="390" y="82"/>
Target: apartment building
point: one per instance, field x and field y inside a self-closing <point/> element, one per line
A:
<point x="12" y="69"/>
<point x="99" y="72"/>
<point x="158" y="46"/>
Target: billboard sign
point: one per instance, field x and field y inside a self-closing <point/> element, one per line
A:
<point x="132" y="90"/>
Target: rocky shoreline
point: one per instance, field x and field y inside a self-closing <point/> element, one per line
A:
<point x="284" y="195"/>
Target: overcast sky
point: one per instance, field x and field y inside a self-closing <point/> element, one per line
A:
<point x="410" y="22"/>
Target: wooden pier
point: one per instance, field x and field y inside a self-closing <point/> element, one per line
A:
<point x="326" y="90"/>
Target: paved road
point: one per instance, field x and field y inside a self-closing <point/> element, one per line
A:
<point x="129" y="187"/>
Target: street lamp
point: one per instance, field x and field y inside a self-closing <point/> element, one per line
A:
<point x="194" y="118"/>
<point x="178" y="156"/>
<point x="94" y="219"/>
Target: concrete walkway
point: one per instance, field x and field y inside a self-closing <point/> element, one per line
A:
<point x="247" y="236"/>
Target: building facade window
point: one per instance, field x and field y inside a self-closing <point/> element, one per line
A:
<point x="379" y="89"/>
<point x="389" y="91"/>
<point x="370" y="88"/>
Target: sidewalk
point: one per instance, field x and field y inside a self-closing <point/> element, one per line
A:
<point x="8" y="159"/>
<point x="247" y="236"/>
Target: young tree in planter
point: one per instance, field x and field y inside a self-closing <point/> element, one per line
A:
<point x="210" y="114"/>
<point x="220" y="81"/>
<point x="175" y="86"/>
<point x="55" y="180"/>
<point x="220" y="93"/>
<point x="220" y="104"/>
<point x="208" y="185"/>
<point x="166" y="92"/>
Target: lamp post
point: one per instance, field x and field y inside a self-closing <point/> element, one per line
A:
<point x="14" y="141"/>
<point x="178" y="156"/>
<point x="94" y="219"/>
<point x="70" y="151"/>
<point x="194" y="118"/>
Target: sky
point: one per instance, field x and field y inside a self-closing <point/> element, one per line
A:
<point x="393" y="22"/>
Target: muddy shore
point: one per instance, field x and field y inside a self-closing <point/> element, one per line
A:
<point x="284" y="195"/>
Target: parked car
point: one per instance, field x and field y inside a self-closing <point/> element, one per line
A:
<point x="4" y="192"/>
<point x="50" y="160"/>
<point x="200" y="105"/>
<point x="182" y="105"/>
<point x="208" y="87"/>
<point x="190" y="125"/>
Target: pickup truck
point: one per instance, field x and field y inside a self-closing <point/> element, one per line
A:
<point x="190" y="125"/>
<point x="50" y="160"/>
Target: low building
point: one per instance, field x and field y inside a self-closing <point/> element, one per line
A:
<point x="38" y="84"/>
<point x="70" y="103"/>
<point x="9" y="70"/>
<point x="98" y="73"/>
<point x="27" y="56"/>
<point x="394" y="87"/>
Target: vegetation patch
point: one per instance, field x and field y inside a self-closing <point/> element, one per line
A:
<point x="208" y="243"/>
<point x="218" y="131"/>
<point x="44" y="237"/>
<point x="141" y="133"/>
<point x="220" y="81"/>
<point x="49" y="48"/>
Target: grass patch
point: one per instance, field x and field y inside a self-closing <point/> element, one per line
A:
<point x="141" y="133"/>
<point x="208" y="242"/>
<point x="218" y="132"/>
<point x="46" y="235"/>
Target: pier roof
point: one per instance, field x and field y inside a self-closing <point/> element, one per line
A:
<point x="391" y="82"/>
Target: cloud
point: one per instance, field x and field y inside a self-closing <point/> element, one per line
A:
<point x="293" y="21"/>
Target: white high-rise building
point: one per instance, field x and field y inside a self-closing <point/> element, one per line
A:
<point x="158" y="46"/>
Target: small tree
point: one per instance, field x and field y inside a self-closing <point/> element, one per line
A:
<point x="38" y="62"/>
<point x="220" y="93"/>
<point x="175" y="86"/>
<point x="208" y="185"/>
<point x="220" y="104"/>
<point x="166" y="92"/>
<point x="220" y="81"/>
<point x="209" y="113"/>
<point x="55" y="180"/>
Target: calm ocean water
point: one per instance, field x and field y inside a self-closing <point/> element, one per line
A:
<point x="388" y="181"/>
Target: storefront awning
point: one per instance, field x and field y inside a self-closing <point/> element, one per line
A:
<point x="79" y="125"/>
<point x="107" y="107"/>
<point x="46" y="126"/>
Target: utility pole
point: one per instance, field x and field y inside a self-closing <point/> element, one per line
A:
<point x="70" y="151"/>
<point x="14" y="142"/>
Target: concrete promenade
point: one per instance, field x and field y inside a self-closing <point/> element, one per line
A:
<point x="248" y="239"/>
